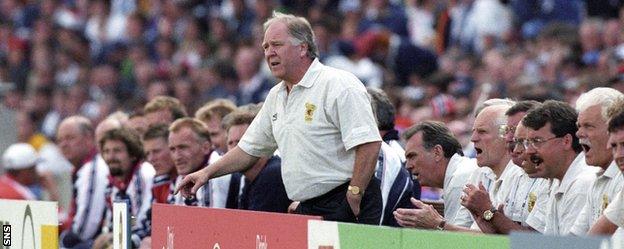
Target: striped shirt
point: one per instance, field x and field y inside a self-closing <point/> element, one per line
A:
<point x="89" y="202"/>
<point x="138" y="193"/>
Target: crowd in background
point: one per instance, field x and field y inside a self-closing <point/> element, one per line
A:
<point x="435" y="58"/>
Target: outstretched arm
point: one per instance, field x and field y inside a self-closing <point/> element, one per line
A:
<point x="234" y="160"/>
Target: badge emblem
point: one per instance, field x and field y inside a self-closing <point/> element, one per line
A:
<point x="309" y="112"/>
<point x="605" y="202"/>
<point x="532" y="200"/>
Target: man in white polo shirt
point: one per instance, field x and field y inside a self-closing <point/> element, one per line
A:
<point x="491" y="183"/>
<point x="320" y="119"/>
<point x="526" y="189"/>
<point x="592" y="132"/>
<point x="612" y="218"/>
<point x="436" y="157"/>
<point x="553" y="147"/>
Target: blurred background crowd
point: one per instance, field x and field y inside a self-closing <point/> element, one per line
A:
<point x="436" y="59"/>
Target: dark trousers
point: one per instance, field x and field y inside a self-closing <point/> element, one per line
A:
<point x="333" y="205"/>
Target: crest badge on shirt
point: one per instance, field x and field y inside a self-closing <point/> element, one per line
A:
<point x="309" y="112"/>
<point x="605" y="202"/>
<point x="532" y="200"/>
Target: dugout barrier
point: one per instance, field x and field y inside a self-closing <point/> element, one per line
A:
<point x="191" y="227"/>
<point x="34" y="224"/>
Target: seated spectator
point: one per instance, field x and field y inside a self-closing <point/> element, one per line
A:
<point x="130" y="180"/>
<point x="211" y="114"/>
<point x="163" y="110"/>
<point x="75" y="137"/>
<point x="156" y="146"/>
<point x="191" y="150"/>
<point x="20" y="181"/>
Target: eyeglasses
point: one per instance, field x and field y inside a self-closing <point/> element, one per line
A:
<point x="518" y="143"/>
<point x="536" y="143"/>
<point x="506" y="129"/>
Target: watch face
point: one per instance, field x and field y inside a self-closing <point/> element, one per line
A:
<point x="488" y="215"/>
<point x="354" y="190"/>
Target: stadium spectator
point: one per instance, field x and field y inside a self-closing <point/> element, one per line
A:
<point x="130" y="180"/>
<point x="137" y="123"/>
<point x="163" y="110"/>
<point x="20" y="181"/>
<point x="211" y="114"/>
<point x="253" y="86"/>
<point x="76" y="139"/>
<point x="156" y="146"/>
<point x="191" y="151"/>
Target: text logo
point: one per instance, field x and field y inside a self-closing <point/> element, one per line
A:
<point x="6" y="235"/>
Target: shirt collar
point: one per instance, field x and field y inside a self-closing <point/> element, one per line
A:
<point x="611" y="172"/>
<point x="452" y="166"/>
<point x="574" y="170"/>
<point x="313" y="71"/>
<point x="509" y="168"/>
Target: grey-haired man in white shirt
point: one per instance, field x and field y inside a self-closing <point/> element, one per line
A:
<point x="320" y="118"/>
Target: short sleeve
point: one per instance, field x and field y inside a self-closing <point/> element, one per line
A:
<point x="355" y="118"/>
<point x="258" y="140"/>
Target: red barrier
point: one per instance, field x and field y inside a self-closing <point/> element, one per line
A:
<point x="193" y="227"/>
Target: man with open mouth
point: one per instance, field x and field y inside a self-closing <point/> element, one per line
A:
<point x="435" y="156"/>
<point x="612" y="219"/>
<point x="490" y="185"/>
<point x="592" y="132"/>
<point x="554" y="148"/>
<point x="526" y="189"/>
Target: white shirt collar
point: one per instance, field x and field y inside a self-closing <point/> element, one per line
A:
<point x="452" y="166"/>
<point x="611" y="172"/>
<point x="574" y="170"/>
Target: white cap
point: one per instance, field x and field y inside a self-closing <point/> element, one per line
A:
<point x="19" y="156"/>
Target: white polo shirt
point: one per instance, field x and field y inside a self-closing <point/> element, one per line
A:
<point x="615" y="210"/>
<point x="458" y="172"/>
<point x="606" y="186"/>
<point x="537" y="214"/>
<point x="567" y="199"/>
<point x="315" y="126"/>
<point x="525" y="193"/>
<point x="497" y="187"/>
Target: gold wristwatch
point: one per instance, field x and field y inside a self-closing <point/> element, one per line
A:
<point x="355" y="190"/>
<point x="489" y="214"/>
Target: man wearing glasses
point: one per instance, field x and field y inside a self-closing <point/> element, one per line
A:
<point x="526" y="189"/>
<point x="552" y="145"/>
